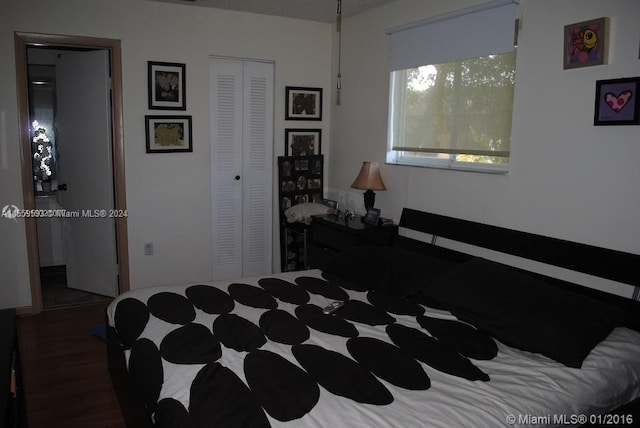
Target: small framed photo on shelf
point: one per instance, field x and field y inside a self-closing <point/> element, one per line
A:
<point x="314" y="183"/>
<point x="167" y="83"/>
<point x="301" y="165"/>
<point x="303" y="142"/>
<point x="316" y="165"/>
<point x="372" y="216"/>
<point x="303" y="103"/>
<point x="585" y="43"/>
<point x="330" y="203"/>
<point x="168" y="134"/>
<point x="617" y="102"/>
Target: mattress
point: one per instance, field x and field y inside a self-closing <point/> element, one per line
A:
<point x="258" y="352"/>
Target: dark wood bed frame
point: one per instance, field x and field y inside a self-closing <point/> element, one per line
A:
<point x="133" y="411"/>
<point x="604" y="263"/>
<point x="601" y="262"/>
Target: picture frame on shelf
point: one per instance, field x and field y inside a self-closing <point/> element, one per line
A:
<point x="168" y="134"/>
<point x="330" y="203"/>
<point x="303" y="103"/>
<point x="301" y="165"/>
<point x="586" y="43"/>
<point x="372" y="217"/>
<point x="303" y="142"/>
<point x="166" y="85"/>
<point x="617" y="102"/>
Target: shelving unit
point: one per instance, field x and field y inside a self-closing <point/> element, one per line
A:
<point x="300" y="180"/>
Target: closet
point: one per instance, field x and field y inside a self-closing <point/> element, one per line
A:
<point x="241" y="98"/>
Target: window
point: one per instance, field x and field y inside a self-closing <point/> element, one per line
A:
<point x="451" y="91"/>
<point x="454" y="114"/>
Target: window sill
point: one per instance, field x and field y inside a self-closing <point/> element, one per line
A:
<point x="499" y="169"/>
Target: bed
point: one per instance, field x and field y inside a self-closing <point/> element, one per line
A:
<point x="428" y="337"/>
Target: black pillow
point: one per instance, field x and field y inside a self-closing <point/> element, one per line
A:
<point x="392" y="271"/>
<point x="525" y="312"/>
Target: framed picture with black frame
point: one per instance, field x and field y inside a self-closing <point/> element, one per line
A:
<point x="372" y="217"/>
<point x="166" y="86"/>
<point x="617" y="102"/>
<point x="168" y="134"/>
<point x="303" y="142"/>
<point x="303" y="103"/>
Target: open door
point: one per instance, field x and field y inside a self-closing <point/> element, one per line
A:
<point x="85" y="175"/>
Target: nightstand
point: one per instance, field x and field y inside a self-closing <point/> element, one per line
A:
<point x="329" y="236"/>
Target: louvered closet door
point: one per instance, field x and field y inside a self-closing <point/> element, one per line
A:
<point x="241" y="162"/>
<point x="257" y="157"/>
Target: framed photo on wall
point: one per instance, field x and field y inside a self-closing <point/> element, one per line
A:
<point x="617" y="102"/>
<point x="167" y="84"/>
<point x="303" y="142"/>
<point x="168" y="134"/>
<point x="303" y="103"/>
<point x="585" y="43"/>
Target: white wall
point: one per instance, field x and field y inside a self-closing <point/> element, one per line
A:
<point x="567" y="178"/>
<point x="168" y="195"/>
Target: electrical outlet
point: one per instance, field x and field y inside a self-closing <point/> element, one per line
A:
<point x="148" y="249"/>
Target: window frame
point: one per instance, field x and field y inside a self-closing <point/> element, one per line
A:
<point x="430" y="159"/>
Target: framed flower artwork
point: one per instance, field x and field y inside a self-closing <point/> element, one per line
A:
<point x="167" y="83"/>
<point x="168" y="134"/>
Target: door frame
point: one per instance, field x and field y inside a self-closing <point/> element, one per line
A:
<point x="22" y="42"/>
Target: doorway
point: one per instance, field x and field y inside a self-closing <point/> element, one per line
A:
<point x="89" y="252"/>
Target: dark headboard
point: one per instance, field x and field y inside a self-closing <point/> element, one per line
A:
<point x="601" y="262"/>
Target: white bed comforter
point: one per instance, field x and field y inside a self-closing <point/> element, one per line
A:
<point x="525" y="389"/>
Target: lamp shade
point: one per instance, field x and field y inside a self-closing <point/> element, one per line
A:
<point x="369" y="177"/>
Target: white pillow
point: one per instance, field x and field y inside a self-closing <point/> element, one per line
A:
<point x="303" y="212"/>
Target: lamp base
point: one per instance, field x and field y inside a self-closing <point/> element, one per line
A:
<point x="369" y="199"/>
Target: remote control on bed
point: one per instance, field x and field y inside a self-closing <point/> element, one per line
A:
<point x="332" y="307"/>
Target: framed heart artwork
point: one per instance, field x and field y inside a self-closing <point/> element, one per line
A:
<point x="617" y="102"/>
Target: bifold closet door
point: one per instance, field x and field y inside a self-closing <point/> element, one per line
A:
<point x="241" y="166"/>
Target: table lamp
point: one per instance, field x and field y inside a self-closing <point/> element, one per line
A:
<point x="369" y="179"/>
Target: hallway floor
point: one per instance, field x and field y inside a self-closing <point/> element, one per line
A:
<point x="55" y="292"/>
<point x="66" y="380"/>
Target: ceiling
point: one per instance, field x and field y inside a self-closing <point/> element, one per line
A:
<point x="314" y="10"/>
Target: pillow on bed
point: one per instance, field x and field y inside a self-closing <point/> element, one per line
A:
<point x="392" y="271"/>
<point x="525" y="312"/>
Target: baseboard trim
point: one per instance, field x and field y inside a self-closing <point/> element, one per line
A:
<point x="24" y="310"/>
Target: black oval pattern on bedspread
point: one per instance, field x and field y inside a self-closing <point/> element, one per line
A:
<point x="218" y="397"/>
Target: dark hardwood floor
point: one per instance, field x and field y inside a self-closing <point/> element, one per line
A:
<point x="66" y="379"/>
<point x="55" y="293"/>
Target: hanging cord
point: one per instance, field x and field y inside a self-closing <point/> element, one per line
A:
<point x="339" y="30"/>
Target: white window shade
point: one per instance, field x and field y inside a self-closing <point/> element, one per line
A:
<point x="468" y="33"/>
